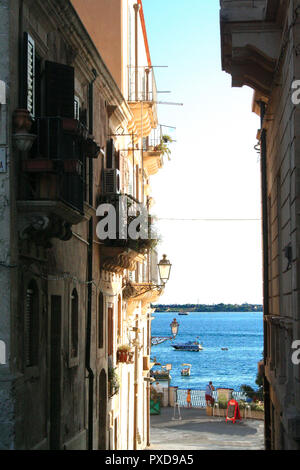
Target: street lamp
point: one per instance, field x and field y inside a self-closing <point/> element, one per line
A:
<point x="174" y="327"/>
<point x="164" y="268"/>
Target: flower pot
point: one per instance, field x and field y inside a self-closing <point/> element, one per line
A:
<point x="72" y="166"/>
<point x="122" y="356"/>
<point x="22" y="121"/>
<point x="37" y="165"/>
<point x="131" y="357"/>
<point x="91" y="149"/>
<point x="70" y="125"/>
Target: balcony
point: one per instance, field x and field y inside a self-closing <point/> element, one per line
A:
<point x="147" y="292"/>
<point x="153" y="153"/>
<point x="53" y="174"/>
<point x="142" y="100"/>
<point x="122" y="252"/>
<point x="250" y="41"/>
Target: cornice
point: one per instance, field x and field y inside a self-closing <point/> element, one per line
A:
<point x="64" y="18"/>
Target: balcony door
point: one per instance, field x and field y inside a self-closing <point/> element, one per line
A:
<point x="55" y="373"/>
<point x="102" y="410"/>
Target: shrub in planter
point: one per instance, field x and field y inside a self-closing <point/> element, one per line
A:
<point x="113" y="382"/>
<point x="222" y="404"/>
<point x="124" y="354"/>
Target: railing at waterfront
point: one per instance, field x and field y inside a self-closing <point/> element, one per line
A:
<point x="198" y="397"/>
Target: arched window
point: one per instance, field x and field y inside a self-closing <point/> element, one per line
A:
<point x="100" y="320"/>
<point x="31" y="325"/>
<point x="74" y="324"/>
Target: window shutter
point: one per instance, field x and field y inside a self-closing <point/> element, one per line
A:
<point x="77" y="108"/>
<point x="59" y="90"/>
<point x="29" y="73"/>
<point x="109" y="153"/>
<point x="117" y="160"/>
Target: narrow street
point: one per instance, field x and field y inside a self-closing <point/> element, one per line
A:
<point x="197" y="431"/>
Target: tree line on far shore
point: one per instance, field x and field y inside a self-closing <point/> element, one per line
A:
<point x="208" y="308"/>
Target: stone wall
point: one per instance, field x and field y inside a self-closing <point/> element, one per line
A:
<point x="6" y="395"/>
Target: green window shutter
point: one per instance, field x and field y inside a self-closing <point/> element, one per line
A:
<point x="59" y="90"/>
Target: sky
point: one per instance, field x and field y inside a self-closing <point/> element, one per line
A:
<point x="214" y="172"/>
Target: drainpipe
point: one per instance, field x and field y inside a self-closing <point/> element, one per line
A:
<point x="265" y="231"/>
<point x="136" y="7"/>
<point x="148" y="382"/>
<point x="135" y="423"/>
<point x="90" y="279"/>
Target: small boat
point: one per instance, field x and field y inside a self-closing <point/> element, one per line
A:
<point x="189" y="346"/>
<point x="187" y="370"/>
<point x="224" y="349"/>
<point x="183" y="313"/>
<point x="161" y="374"/>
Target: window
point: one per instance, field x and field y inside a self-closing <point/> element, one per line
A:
<point x="100" y="320"/>
<point x="110" y="314"/>
<point x="60" y="90"/>
<point x="119" y="318"/>
<point x="74" y="324"/>
<point x="31" y="320"/>
<point x="76" y="108"/>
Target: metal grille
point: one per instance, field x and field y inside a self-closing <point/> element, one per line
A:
<point x="141" y="84"/>
<point x="198" y="397"/>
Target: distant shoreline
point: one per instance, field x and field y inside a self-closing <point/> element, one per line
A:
<point x="203" y="308"/>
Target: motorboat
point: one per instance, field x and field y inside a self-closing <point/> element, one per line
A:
<point x="189" y="346"/>
<point x="186" y="371"/>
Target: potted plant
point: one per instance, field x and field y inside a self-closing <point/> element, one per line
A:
<point x="124" y="354"/>
<point x="163" y="147"/>
<point x="155" y="401"/>
<point x="37" y="165"/>
<point x="113" y="382"/>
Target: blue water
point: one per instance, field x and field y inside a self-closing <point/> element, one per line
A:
<point x="241" y="333"/>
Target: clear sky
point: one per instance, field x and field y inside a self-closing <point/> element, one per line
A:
<point x="214" y="171"/>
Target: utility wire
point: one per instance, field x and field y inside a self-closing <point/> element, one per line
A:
<point x="206" y="220"/>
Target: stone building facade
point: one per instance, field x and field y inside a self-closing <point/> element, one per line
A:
<point x="260" y="48"/>
<point x="118" y="30"/>
<point x="70" y="301"/>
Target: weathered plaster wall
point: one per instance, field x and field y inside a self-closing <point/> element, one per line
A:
<point x="283" y="172"/>
<point x="6" y="398"/>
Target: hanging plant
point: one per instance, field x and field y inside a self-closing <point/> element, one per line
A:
<point x="113" y="381"/>
<point x="163" y="145"/>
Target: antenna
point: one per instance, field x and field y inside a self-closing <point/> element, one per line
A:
<point x="168" y="102"/>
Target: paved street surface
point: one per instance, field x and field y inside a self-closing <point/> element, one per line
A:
<point x="196" y="431"/>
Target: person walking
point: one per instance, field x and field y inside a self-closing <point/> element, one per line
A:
<point x="209" y="395"/>
<point x="189" y="398"/>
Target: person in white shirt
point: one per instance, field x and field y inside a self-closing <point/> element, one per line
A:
<point x="208" y="394"/>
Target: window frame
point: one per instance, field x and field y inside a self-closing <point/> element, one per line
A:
<point x="32" y="369"/>
<point x="73" y="361"/>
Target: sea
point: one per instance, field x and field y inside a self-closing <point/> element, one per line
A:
<point x="241" y="333"/>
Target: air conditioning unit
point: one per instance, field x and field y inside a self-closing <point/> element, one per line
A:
<point x="111" y="181"/>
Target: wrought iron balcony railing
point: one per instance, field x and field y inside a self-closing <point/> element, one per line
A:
<point x="56" y="166"/>
<point x="141" y="84"/>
